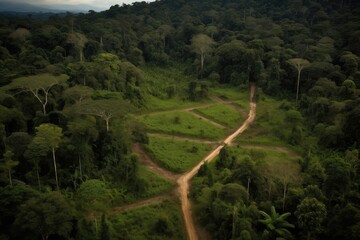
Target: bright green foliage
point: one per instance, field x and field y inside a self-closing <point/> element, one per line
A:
<point x="276" y="225"/>
<point x="190" y="125"/>
<point x="50" y="206"/>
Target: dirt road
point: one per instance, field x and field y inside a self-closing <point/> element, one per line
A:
<point x="184" y="180"/>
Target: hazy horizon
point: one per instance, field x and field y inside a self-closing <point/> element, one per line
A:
<point x="95" y="3"/>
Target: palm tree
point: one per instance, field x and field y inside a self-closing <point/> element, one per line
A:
<point x="276" y="225"/>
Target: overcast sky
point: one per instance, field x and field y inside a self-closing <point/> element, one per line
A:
<point x="98" y="3"/>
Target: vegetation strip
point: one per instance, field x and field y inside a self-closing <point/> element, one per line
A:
<point x="183" y="181"/>
<point x="142" y="203"/>
<point x="207" y="119"/>
<point x="163" y="135"/>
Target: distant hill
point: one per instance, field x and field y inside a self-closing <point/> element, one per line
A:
<point x="25" y="7"/>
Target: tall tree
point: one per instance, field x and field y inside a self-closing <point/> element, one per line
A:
<point x="78" y="40"/>
<point x="106" y="109"/>
<point x="7" y="164"/>
<point x="202" y="45"/>
<point x="78" y="93"/>
<point x="48" y="137"/>
<point x="39" y="85"/>
<point x="299" y="64"/>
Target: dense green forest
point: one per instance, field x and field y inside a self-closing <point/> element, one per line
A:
<point x="78" y="92"/>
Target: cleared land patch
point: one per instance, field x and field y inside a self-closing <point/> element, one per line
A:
<point x="222" y="114"/>
<point x="154" y="183"/>
<point x="182" y="123"/>
<point x="176" y="155"/>
<point x="160" y="221"/>
<point x="231" y="93"/>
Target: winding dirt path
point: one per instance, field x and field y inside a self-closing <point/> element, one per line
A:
<point x="142" y="203"/>
<point x="184" y="180"/>
<point x="206" y="119"/>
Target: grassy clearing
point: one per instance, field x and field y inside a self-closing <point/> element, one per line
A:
<point x="268" y="155"/>
<point x="155" y="184"/>
<point x="176" y="155"/>
<point x="268" y="126"/>
<point x="231" y="93"/>
<point x="242" y="104"/>
<point x="182" y="123"/>
<point x="161" y="221"/>
<point x="158" y="104"/>
<point x="158" y="80"/>
<point x="256" y="135"/>
<point x="222" y="114"/>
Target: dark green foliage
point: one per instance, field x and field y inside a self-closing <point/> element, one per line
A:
<point x="84" y="70"/>
<point x="11" y="198"/>
<point x="276" y="225"/>
<point x="310" y="214"/>
<point x="104" y="232"/>
<point x="50" y="206"/>
<point x="224" y="159"/>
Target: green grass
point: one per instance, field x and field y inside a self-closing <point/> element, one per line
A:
<point x="187" y="125"/>
<point x="222" y="114"/>
<point x="269" y="157"/>
<point x="231" y="93"/>
<point x="159" y="104"/>
<point x="155" y="184"/>
<point x="244" y="104"/>
<point x="161" y="221"/>
<point x="269" y="125"/>
<point x="260" y="136"/>
<point x="177" y="155"/>
<point x="156" y="80"/>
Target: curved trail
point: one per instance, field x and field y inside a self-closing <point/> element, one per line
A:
<point x="142" y="203"/>
<point x="206" y="119"/>
<point x="184" y="180"/>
